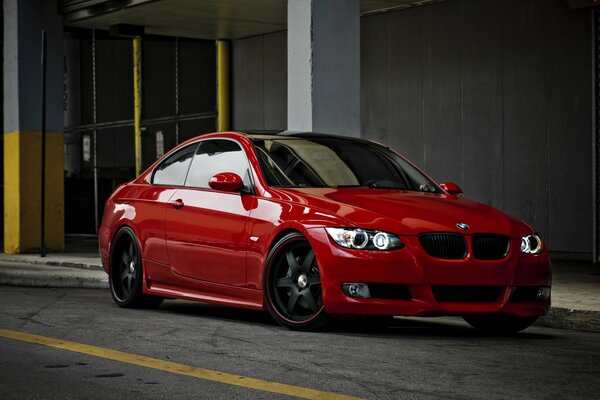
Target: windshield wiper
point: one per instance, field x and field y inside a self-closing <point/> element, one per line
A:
<point x="371" y="186"/>
<point x="376" y="186"/>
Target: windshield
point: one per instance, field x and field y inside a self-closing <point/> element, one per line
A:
<point x="333" y="162"/>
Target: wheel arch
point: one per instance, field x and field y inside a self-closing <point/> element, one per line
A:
<point x="278" y="236"/>
<point x="269" y="248"/>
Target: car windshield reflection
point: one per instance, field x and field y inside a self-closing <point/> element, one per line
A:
<point x="336" y="163"/>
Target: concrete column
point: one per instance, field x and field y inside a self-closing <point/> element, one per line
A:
<point x="72" y="107"/>
<point x="324" y="66"/>
<point x="23" y="23"/>
<point x="223" y="83"/>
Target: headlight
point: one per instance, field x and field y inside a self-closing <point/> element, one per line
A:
<point x="532" y="244"/>
<point x="356" y="238"/>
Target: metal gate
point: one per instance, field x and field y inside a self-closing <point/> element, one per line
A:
<point x="596" y="130"/>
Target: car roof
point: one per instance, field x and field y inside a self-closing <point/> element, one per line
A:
<point x="270" y="135"/>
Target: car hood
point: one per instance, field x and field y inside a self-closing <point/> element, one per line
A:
<point x="407" y="212"/>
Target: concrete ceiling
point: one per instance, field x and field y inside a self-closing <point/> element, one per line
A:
<point x="201" y="19"/>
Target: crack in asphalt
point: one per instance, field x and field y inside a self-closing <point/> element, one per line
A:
<point x="30" y="317"/>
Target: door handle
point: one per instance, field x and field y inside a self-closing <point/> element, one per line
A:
<point x="176" y="204"/>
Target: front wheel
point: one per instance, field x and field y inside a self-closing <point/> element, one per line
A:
<point x="126" y="275"/>
<point x="499" y="324"/>
<point x="292" y="285"/>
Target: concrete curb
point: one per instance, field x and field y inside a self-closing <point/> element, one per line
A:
<point x="58" y="280"/>
<point x="573" y="319"/>
<point x="86" y="265"/>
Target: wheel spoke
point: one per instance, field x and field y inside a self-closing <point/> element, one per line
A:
<point x="131" y="251"/>
<point x="310" y="300"/>
<point x="284" y="282"/>
<point x="314" y="280"/>
<point x="294" y="295"/>
<point x="291" y="260"/>
<point x="124" y="285"/>
<point x="131" y="282"/>
<point x="123" y="268"/>
<point x="308" y="261"/>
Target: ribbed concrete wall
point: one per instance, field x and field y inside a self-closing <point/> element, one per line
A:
<point x="495" y="95"/>
<point x="260" y="82"/>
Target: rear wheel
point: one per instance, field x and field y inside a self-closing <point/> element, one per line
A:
<point x="126" y="274"/>
<point x="292" y="285"/>
<point x="499" y="324"/>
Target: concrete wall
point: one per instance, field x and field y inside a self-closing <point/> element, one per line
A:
<point x="260" y="82"/>
<point x="494" y="95"/>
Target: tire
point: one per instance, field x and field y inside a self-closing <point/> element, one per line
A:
<point x="499" y="324"/>
<point x="292" y="285"/>
<point x="126" y="274"/>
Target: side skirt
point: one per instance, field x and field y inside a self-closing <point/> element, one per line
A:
<point x="160" y="280"/>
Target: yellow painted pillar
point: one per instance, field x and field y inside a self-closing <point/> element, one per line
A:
<point x="23" y="22"/>
<point x="22" y="191"/>
<point x="223" y="78"/>
<point x="137" y="102"/>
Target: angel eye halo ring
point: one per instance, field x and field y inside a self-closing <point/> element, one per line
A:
<point x="532" y="244"/>
<point x="365" y="239"/>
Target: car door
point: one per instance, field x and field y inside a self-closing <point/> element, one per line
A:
<point x="150" y="202"/>
<point x="206" y="229"/>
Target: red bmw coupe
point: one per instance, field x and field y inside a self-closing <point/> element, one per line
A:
<point x="311" y="226"/>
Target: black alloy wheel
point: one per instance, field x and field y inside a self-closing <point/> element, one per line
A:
<point x="127" y="270"/>
<point x="292" y="285"/>
<point x="126" y="274"/>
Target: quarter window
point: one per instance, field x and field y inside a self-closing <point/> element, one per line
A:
<point x="216" y="156"/>
<point x="174" y="169"/>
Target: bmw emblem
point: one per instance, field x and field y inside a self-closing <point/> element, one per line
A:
<point x="462" y="225"/>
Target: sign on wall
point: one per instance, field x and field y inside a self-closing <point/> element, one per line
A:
<point x="86" y="145"/>
<point x="160" y="144"/>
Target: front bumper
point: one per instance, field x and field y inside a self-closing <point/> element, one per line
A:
<point x="415" y="283"/>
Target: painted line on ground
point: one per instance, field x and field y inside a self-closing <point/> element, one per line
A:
<point x="176" y="368"/>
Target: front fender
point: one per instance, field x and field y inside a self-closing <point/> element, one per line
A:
<point x="273" y="218"/>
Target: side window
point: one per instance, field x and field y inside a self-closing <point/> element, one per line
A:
<point x="213" y="157"/>
<point x="173" y="170"/>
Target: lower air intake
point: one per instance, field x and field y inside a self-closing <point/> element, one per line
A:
<point x="466" y="294"/>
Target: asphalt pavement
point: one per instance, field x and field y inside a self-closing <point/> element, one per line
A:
<point x="59" y="343"/>
<point x="575" y="289"/>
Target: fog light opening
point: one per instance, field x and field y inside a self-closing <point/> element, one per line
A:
<point x="543" y="293"/>
<point x="357" y="290"/>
